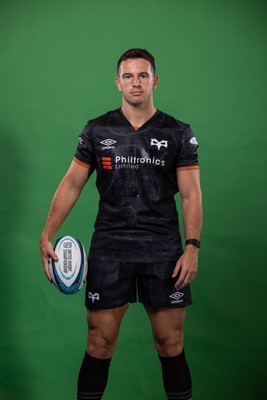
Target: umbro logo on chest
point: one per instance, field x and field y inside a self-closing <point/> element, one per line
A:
<point x="108" y="144"/>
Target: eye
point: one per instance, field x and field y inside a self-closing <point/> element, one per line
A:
<point x="143" y="76"/>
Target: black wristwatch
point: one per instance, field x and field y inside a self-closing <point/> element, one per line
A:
<point x="194" y="242"/>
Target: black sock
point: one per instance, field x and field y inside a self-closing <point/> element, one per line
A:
<point x="176" y="377"/>
<point x="93" y="377"/>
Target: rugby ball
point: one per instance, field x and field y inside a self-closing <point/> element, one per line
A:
<point x="69" y="272"/>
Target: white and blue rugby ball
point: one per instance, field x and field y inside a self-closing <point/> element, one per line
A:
<point x="70" y="271"/>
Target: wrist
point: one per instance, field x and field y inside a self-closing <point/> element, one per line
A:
<point x="191" y="249"/>
<point x="192" y="243"/>
<point x="44" y="237"/>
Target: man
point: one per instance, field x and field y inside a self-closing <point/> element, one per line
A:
<point x="141" y="156"/>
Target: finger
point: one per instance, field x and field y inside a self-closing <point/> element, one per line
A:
<point x="46" y="264"/>
<point x="47" y="269"/>
<point x="189" y="277"/>
<point x="47" y="253"/>
<point x="50" y="252"/>
<point x="185" y="282"/>
<point x="54" y="256"/>
<point x="176" y="269"/>
<point x="180" y="280"/>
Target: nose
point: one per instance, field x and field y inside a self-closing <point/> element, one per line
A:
<point x="136" y="81"/>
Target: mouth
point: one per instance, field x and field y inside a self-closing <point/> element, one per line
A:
<point x="136" y="92"/>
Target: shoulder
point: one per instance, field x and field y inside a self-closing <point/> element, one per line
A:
<point x="97" y="124"/>
<point x="103" y="119"/>
<point x="173" y="122"/>
<point x="181" y="132"/>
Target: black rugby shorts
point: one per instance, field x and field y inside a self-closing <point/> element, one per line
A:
<point x="113" y="284"/>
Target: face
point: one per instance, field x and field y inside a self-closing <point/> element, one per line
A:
<point x="136" y="81"/>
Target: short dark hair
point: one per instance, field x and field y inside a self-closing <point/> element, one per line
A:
<point x="137" y="53"/>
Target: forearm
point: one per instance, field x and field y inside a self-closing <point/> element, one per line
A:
<point x="62" y="203"/>
<point x="192" y="215"/>
<point x="64" y="199"/>
<point x="192" y="218"/>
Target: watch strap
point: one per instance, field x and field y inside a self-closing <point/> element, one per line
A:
<point x="194" y="242"/>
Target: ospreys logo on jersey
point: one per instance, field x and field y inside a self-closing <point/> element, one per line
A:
<point x="155" y="142"/>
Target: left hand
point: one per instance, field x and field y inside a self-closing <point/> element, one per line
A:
<point x="188" y="265"/>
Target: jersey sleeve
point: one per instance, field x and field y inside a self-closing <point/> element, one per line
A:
<point x="187" y="157"/>
<point x="85" y="154"/>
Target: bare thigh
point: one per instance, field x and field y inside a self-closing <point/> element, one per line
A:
<point x="103" y="331"/>
<point x="168" y="330"/>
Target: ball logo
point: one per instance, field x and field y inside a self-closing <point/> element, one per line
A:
<point x="67" y="258"/>
<point x="68" y="268"/>
<point x="69" y="272"/>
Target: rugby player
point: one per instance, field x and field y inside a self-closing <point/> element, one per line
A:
<point x="142" y="158"/>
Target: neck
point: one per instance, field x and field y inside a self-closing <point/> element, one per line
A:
<point x="138" y="115"/>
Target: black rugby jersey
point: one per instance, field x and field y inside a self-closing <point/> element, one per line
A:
<point x="137" y="219"/>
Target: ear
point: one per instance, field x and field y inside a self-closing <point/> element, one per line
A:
<point x="156" y="81"/>
<point x="118" y="83"/>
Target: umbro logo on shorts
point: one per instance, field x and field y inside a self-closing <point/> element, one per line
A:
<point x="93" y="296"/>
<point x="177" y="297"/>
<point x="155" y="142"/>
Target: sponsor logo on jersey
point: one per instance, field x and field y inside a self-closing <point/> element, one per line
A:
<point x="93" y="296"/>
<point x="193" y="140"/>
<point x="106" y="162"/>
<point x="80" y="140"/>
<point x="108" y="144"/>
<point x="132" y="162"/>
<point x="155" y="142"/>
<point x="177" y="297"/>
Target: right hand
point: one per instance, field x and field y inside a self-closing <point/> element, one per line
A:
<point x="47" y="251"/>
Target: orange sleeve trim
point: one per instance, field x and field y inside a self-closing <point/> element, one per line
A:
<point x="187" y="168"/>
<point x="81" y="163"/>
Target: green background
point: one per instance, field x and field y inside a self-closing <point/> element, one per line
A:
<point x="57" y="70"/>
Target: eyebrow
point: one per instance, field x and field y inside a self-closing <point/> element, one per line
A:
<point x="140" y="73"/>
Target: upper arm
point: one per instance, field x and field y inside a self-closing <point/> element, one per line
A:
<point x="77" y="175"/>
<point x="188" y="181"/>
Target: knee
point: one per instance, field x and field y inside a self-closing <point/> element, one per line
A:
<point x="170" y="345"/>
<point x="99" y="346"/>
